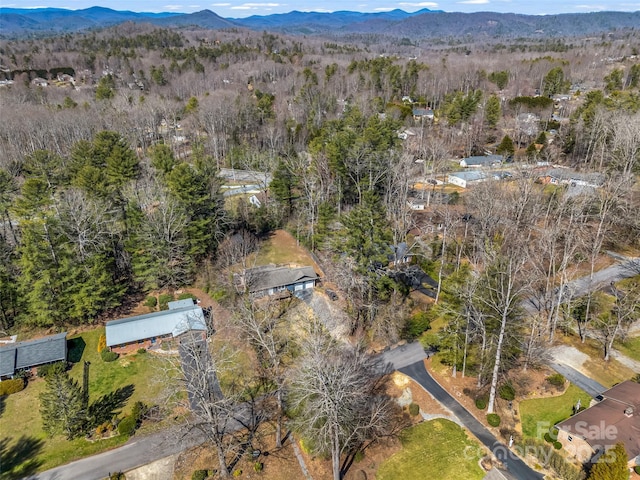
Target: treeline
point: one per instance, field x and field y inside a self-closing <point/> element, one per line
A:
<point x="83" y="230"/>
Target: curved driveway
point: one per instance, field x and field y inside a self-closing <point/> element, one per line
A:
<point x="510" y="460"/>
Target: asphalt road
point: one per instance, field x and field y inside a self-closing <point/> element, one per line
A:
<point x="134" y="454"/>
<point x="403" y="355"/>
<point x="625" y="268"/>
<point x="511" y="461"/>
<point x="601" y="278"/>
<point x="592" y="387"/>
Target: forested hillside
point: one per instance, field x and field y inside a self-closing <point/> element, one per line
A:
<point x="110" y="170"/>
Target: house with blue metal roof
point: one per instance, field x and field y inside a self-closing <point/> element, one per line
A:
<point x="150" y="329"/>
<point x="32" y="353"/>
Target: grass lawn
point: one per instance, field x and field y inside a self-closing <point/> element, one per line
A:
<point x="436" y="449"/>
<point x="631" y="348"/>
<point x="29" y="449"/>
<point x="282" y="248"/>
<point x="546" y="412"/>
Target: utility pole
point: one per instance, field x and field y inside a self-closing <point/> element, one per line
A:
<point x="85" y="385"/>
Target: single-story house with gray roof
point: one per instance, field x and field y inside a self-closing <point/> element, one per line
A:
<point x="464" y="179"/>
<point x="32" y="353"/>
<point x="146" y="330"/>
<point x="480" y="161"/>
<point x="271" y="280"/>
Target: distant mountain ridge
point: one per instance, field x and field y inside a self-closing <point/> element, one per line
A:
<point x="425" y="23"/>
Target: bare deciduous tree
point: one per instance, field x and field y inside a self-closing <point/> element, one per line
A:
<point x="339" y="393"/>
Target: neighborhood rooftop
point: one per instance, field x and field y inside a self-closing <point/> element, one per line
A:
<point x="31" y="353"/>
<point x="264" y="278"/>
<point x="620" y="409"/>
<point x="157" y="324"/>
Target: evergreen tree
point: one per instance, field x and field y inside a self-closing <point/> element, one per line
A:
<point x="554" y="82"/>
<point x="506" y="147"/>
<point x="492" y="111"/>
<point x="61" y="406"/>
<point x="282" y="186"/>
<point x="612" y="465"/>
<point x="162" y="158"/>
<point x="106" y="88"/>
<point x="501" y="78"/>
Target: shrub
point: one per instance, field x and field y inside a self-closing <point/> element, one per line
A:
<point x="151" y="301"/>
<point x="637" y="469"/>
<point x="493" y="419"/>
<point x="138" y="411"/>
<point x="164" y="300"/>
<point x="557" y="380"/>
<point x="185" y="295"/>
<point x="547" y="438"/>
<point x="507" y="392"/>
<point x="550" y="458"/>
<point x="359" y="456"/>
<point x="141" y="351"/>
<point x="258" y="466"/>
<point x="102" y="342"/>
<point x="481" y="402"/>
<point x="414" y="409"/>
<point x="52" y="369"/>
<point x="557" y="445"/>
<point x="127" y="426"/>
<point x="237" y="473"/>
<point x="199" y="475"/>
<point x="108" y="356"/>
<point x="7" y="387"/>
<point x="117" y="476"/>
<point x="104" y="428"/>
<point x="416" y="324"/>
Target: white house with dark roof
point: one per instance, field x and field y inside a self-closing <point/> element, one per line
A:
<point x="32" y="353"/>
<point x="272" y="280"/>
<point x="151" y="328"/>
<point x="480" y="161"/>
<point x="467" y="178"/>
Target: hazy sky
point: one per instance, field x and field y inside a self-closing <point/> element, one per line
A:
<point x="238" y="8"/>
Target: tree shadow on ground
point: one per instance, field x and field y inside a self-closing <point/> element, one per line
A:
<point x="19" y="459"/>
<point x="2" y="403"/>
<point x="109" y="405"/>
<point x="75" y="349"/>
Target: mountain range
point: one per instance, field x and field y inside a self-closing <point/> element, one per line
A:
<point x="16" y="22"/>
